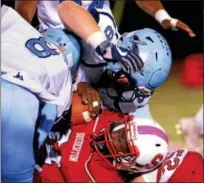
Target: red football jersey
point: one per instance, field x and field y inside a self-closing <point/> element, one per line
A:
<point x="78" y="162"/>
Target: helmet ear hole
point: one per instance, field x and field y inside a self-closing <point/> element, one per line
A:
<point x="157" y="145"/>
<point x="136" y="38"/>
<point x="150" y="39"/>
<point x="156" y="56"/>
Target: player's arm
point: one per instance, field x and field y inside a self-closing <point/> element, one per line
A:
<point x="157" y="10"/>
<point x="26" y="9"/>
<point x="82" y="23"/>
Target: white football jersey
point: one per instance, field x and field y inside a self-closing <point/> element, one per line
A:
<point x="78" y="76"/>
<point x="48" y="16"/>
<point x="28" y="61"/>
<point x="100" y="10"/>
<point x="107" y="24"/>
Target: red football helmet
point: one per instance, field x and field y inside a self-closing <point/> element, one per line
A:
<point x="147" y="145"/>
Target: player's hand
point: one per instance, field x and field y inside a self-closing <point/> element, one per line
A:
<point x="129" y="61"/>
<point x="177" y="25"/>
<point x="90" y="97"/>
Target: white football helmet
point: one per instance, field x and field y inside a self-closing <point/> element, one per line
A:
<point x="147" y="145"/>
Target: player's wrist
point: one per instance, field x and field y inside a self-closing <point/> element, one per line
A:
<point x="104" y="49"/>
<point x="162" y="15"/>
<point x="95" y="39"/>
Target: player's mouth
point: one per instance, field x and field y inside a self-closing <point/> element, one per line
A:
<point x="123" y="79"/>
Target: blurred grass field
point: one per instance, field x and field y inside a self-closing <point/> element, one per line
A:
<point x="173" y="101"/>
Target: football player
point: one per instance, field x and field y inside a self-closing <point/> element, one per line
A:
<point x="92" y="34"/>
<point x="48" y="17"/>
<point x="96" y="151"/>
<point x="68" y="14"/>
<point x="180" y="166"/>
<point x="36" y="90"/>
<point x="148" y="46"/>
<point x="127" y="92"/>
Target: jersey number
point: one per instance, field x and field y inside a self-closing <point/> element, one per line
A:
<point x="172" y="164"/>
<point x="39" y="47"/>
<point x="155" y="161"/>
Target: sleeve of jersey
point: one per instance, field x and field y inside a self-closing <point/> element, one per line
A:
<point x="8" y="18"/>
<point x="80" y="77"/>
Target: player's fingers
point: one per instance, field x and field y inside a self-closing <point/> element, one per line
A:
<point x="182" y="26"/>
<point x="99" y="100"/>
<point x="137" y="62"/>
<point x="126" y="66"/>
<point x="84" y="99"/>
<point x="130" y="61"/>
<point x="90" y="102"/>
<point x="96" y="103"/>
<point x="79" y="91"/>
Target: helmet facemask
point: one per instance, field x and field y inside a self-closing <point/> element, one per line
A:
<point x="124" y="145"/>
<point x="120" y="86"/>
<point x="115" y="145"/>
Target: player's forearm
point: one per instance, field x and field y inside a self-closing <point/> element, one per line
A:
<point x="26" y="9"/>
<point x="78" y="20"/>
<point x="156" y="10"/>
<point x="150" y="7"/>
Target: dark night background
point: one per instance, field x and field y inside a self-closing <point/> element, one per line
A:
<point x="190" y="12"/>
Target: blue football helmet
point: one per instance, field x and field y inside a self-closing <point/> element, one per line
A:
<point x="118" y="88"/>
<point x="155" y="52"/>
<point x="63" y="38"/>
